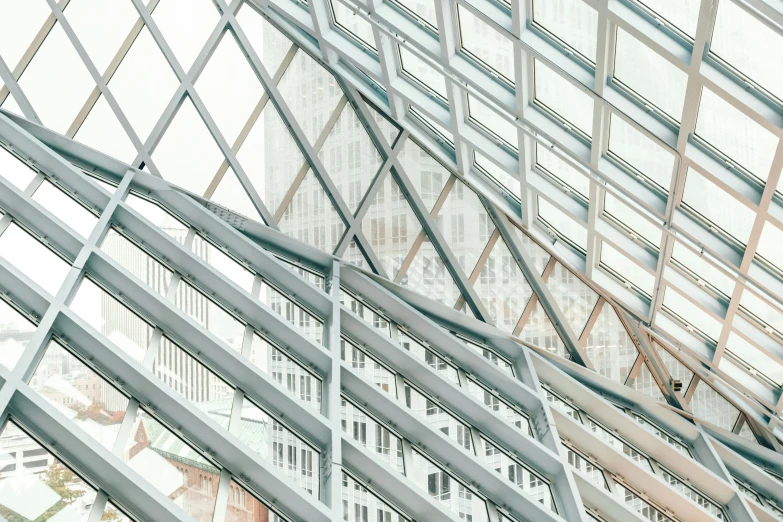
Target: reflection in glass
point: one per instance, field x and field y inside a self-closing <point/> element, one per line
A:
<point x="80" y="394"/>
<point x="36" y="486"/>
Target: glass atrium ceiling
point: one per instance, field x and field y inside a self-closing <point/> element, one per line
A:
<point x="597" y="179"/>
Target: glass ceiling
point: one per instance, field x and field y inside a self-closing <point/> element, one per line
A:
<point x="636" y="143"/>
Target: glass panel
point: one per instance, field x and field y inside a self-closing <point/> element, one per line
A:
<point x="14" y="170"/>
<point x="532" y="484"/>
<point x="540" y="331"/>
<point x="770" y="245"/>
<point x="427" y="175"/>
<point x="159" y="217"/>
<point x="490" y="355"/>
<point x="609" y="347"/>
<point x="64" y="207"/>
<point x="645" y="383"/>
<point x="136" y="261"/>
<point x="563" y="98"/>
<point x="372" y="435"/>
<point x="56" y="63"/>
<point x="761" y="45"/>
<point x="232" y="194"/>
<point x="500" y="176"/>
<point x="286" y="371"/>
<point x="171" y="466"/>
<point x="428" y="276"/>
<point x="102" y="131"/>
<point x="430" y="124"/>
<point x="355" y="256"/>
<point x="689" y="492"/>
<point x="33" y="259"/>
<point x="112" y="514"/>
<point x="641" y="152"/>
<point x="683" y="15"/>
<point x="592" y="472"/>
<point x="100" y="28"/>
<point x="562" y="405"/>
<point x="632" y="219"/>
<point x="143" y="84"/>
<point x="658" y="432"/>
<point x="354" y="25"/>
<point x="388" y="129"/>
<point x="421" y="71"/>
<point x="18" y="26"/>
<point x="187" y="155"/>
<point x="537" y="255"/>
<point x="482" y="41"/>
<point x="438" y="418"/>
<point x="311" y="94"/>
<point x="572" y="22"/>
<point x="310" y="325"/>
<point x="269" y="44"/>
<point x="627" y="269"/>
<point x="80" y="394"/>
<point x="191" y="379"/>
<point x="734" y="134"/>
<point x="15" y="332"/>
<point x="610" y="439"/>
<point x="244" y="507"/>
<point x="358" y="501"/>
<point x="350" y="157"/>
<point x="676" y="369"/>
<point x="311" y="216"/>
<point x="718" y="206"/>
<point x="574" y="298"/>
<point x="446" y="490"/>
<point x="421" y="352"/>
<point x="118" y="323"/>
<point x="217" y="259"/>
<point x="639" y="505"/>
<point x="691" y="314"/>
<point x="368" y="367"/>
<point x="295" y="458"/>
<point x="271" y="174"/>
<point x="40" y="488"/>
<point x="228" y="66"/>
<point x="762" y="310"/>
<point x="758" y="360"/>
<point x="562" y="223"/>
<point x="711" y="406"/>
<point x="492" y="121"/>
<point x="186" y="40"/>
<point x="498" y="406"/>
<point x="502" y="287"/>
<point x="650" y="75"/>
<point x="365" y="312"/>
<point x="562" y="170"/>
<point x="465" y="224"/>
<point x="210" y="315"/>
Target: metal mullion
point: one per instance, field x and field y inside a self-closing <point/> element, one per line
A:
<point x="98" y="79"/>
<point x="13" y="87"/>
<point x="321" y="15"/>
<point x="98" y="506"/>
<point x="221" y="496"/>
<point x="526" y="313"/>
<point x="388" y="57"/>
<point x="592" y="319"/>
<point x="332" y="467"/>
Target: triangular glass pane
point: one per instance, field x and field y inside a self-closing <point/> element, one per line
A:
<point x="19" y="24"/>
<point x="676" y="369"/>
<point x="231" y="194"/>
<point x="101" y="27"/>
<point x="350" y="157"/>
<point x="709" y="405"/>
<point x="311" y="216"/>
<point x="389" y="130"/>
<point x="311" y="94"/>
<point x="538" y="255"/>
<point x="645" y="383"/>
<point x="143" y="84"/>
<point x="609" y="347"/>
<point x="229" y="88"/>
<point x="502" y="287"/>
<point x="747" y="433"/>
<point x="187" y="155"/>
<point x="271" y="174"/>
<point x="429" y="276"/>
<point x="355" y="256"/>
<point x="540" y="331"/>
<point x="27" y="490"/>
<point x="186" y="39"/>
<point x="465" y="224"/>
<point x="102" y="131"/>
<point x="574" y="298"/>
<point x="269" y="44"/>
<point x="427" y="175"/>
<point x="56" y="63"/>
<point x="390" y="226"/>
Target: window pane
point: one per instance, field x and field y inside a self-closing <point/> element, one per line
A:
<point x="718" y="206"/>
<point x="540" y="331"/>
<point x="369" y="368"/>
<point x="223" y="263"/>
<point x="427" y="175"/>
<point x="631" y="218"/>
<point x="82" y="395"/>
<point x="358" y="501"/>
<point x="683" y="15"/>
<point x="14" y="170"/>
<point x="650" y="75"/>
<point x="15" y="332"/>
<point x="421" y="352"/>
<point x="365" y="312"/>
<point x="757" y="359"/>
<point x="159" y="217"/>
<point x="532" y="484"/>
<point x="676" y="369"/>
<point x="482" y="41"/>
<point x="136" y="261"/>
<point x="244" y="507"/>
<point x="609" y="347"/>
<point x="33" y="259"/>
<point x="106" y="314"/>
<point x="564" y="172"/>
<point x="770" y="245"/>
<point x="186" y="40"/>
<point x="428" y="276"/>
<point x="354" y="25"/>
<point x="422" y="71"/>
<point x="574" y="298"/>
<point x="499" y="407"/>
<point x="42" y="488"/>
<point x="424" y="9"/>
<point x="573" y="22"/>
<point x="372" y="435"/>
<point x="641" y="152"/>
<point x="692" y="314"/>
<point x="563" y="98"/>
<point x="210" y="315"/>
<point x="171" y="466"/>
<point x="562" y="223"/>
<point x="438" y="418"/>
<point x="298" y="316"/>
<point x="711" y="406"/>
<point x="628" y="270"/>
<point x="492" y="121"/>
